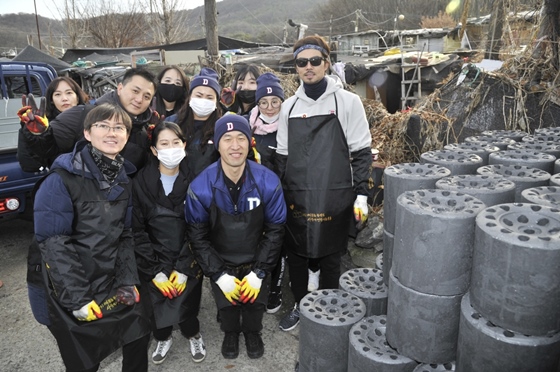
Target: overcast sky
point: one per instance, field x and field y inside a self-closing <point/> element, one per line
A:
<point x="49" y="8"/>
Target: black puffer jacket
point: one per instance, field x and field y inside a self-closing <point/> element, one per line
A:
<point x="159" y="224"/>
<point x="68" y="128"/>
<point x="83" y="227"/>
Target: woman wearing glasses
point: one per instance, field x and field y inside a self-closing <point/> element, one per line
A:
<point x="82" y="217"/>
<point x="263" y="118"/>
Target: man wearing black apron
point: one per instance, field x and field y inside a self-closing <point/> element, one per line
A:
<point x="324" y="162"/>
<point x="235" y="214"/>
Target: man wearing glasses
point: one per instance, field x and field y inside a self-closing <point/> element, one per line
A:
<point x="324" y="162"/>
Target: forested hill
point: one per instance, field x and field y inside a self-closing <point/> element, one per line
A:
<point x="259" y="21"/>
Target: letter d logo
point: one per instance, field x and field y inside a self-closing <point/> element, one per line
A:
<point x="229" y="126"/>
<point x="268" y="90"/>
<point x="204" y="81"/>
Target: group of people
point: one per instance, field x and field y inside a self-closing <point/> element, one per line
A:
<point x="143" y="201"/>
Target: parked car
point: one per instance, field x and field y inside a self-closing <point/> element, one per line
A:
<point x="18" y="79"/>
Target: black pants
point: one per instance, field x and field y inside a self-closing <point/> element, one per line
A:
<point x="246" y="318"/>
<point x="299" y="276"/>
<point x="135" y="356"/>
<point x="277" y="275"/>
<point x="191" y="325"/>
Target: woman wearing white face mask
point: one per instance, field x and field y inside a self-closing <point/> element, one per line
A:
<point x="263" y="119"/>
<point x="170" y="275"/>
<point x="264" y="116"/>
<point x="197" y="118"/>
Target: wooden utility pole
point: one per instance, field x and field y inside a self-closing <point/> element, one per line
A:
<point x="211" y="23"/>
<point x="37" y="22"/>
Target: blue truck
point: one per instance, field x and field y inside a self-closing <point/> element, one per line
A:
<point x="18" y="79"/>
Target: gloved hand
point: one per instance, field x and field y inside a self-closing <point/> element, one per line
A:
<point x="128" y="295"/>
<point x="250" y="287"/>
<point x="255" y="152"/>
<point x="361" y="211"/>
<point x="156" y="118"/>
<point x="88" y="312"/>
<point x="164" y="285"/>
<point x="33" y="117"/>
<point x="227" y="96"/>
<point x="179" y="281"/>
<point x="229" y="285"/>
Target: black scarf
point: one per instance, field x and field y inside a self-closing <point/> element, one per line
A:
<point x="314" y="91"/>
<point x="109" y="168"/>
<point x="152" y="186"/>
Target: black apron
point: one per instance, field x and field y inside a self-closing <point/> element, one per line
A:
<point x="318" y="186"/>
<point x="236" y="239"/>
<point x="83" y="345"/>
<point x="168" y="312"/>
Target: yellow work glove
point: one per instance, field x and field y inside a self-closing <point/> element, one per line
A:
<point x="229" y="285"/>
<point x="179" y="281"/>
<point x="164" y="285"/>
<point x="250" y="287"/>
<point x="361" y="211"/>
<point x="88" y="312"/>
<point x="254" y="149"/>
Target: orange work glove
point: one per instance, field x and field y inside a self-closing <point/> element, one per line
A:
<point x="33" y="117"/>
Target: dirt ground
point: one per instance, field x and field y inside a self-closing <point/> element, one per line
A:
<point x="26" y="345"/>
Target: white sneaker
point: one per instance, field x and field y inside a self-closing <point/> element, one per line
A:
<point x="313" y="281"/>
<point x="161" y="351"/>
<point x="198" y="349"/>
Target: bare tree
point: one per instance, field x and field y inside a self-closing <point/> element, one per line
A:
<point x="167" y="22"/>
<point x="74" y="24"/>
<point x="105" y="23"/>
<point x="112" y="25"/>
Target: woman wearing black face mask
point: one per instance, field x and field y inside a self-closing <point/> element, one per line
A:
<point x="172" y="90"/>
<point x="240" y="98"/>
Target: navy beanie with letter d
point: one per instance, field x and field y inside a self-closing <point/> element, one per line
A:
<point x="268" y="84"/>
<point x="207" y="77"/>
<point x="229" y="123"/>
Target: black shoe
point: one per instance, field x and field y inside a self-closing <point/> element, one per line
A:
<point x="255" y="345"/>
<point x="274" y="302"/>
<point x="230" y="345"/>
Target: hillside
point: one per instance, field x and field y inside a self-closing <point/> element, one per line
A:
<point x="261" y="21"/>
